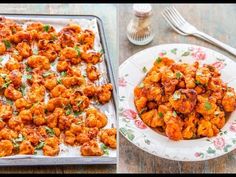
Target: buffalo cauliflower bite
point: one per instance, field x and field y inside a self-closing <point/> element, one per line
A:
<point x="95" y="118"/>
<point x="184" y="100"/>
<point x="91" y="148"/>
<point x="104" y="93"/>
<point x="92" y="72"/>
<point x="26" y="148"/>
<point x="108" y="137"/>
<point x="24" y="49"/>
<point x="229" y="101"/>
<point x="51" y="146"/>
<point x="11" y="93"/>
<point x="12" y="64"/>
<point x="153" y="118"/>
<point x="5" y="111"/>
<point x="6" y="148"/>
<point x="38" y="61"/>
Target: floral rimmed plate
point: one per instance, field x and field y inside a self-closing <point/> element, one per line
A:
<point x="131" y="73"/>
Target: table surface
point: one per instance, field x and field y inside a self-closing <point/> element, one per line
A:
<point x="217" y="21"/>
<point x="109" y="22"/>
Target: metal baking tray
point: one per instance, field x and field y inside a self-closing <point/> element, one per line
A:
<point x="45" y="160"/>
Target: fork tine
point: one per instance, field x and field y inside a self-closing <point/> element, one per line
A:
<point x="177" y="15"/>
<point x="177" y="21"/>
<point x="172" y="18"/>
<point x="170" y="23"/>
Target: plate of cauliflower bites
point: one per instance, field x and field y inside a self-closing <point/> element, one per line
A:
<point x="181" y="102"/>
<point x="53" y="92"/>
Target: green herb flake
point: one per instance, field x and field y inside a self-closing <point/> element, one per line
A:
<point x="207" y="105"/>
<point x="35" y="51"/>
<point x="141" y="85"/>
<point x="179" y="75"/>
<point x="63" y="73"/>
<point x="7" y="43"/>
<point x="77" y="113"/>
<point x="101" y="52"/>
<point x="54" y="37"/>
<point x="197" y="82"/>
<point x="49" y="131"/>
<point x="144" y="69"/>
<point x="77" y="49"/>
<point x="3" y="75"/>
<point x="104" y="149"/>
<point x="1" y="59"/>
<point x="158" y="60"/>
<point x="22" y="89"/>
<point x="28" y="68"/>
<point x="40" y="145"/>
<point x="59" y="81"/>
<point x="20" y="138"/>
<point x="160" y="114"/>
<point x="46" y="74"/>
<point x="185" y="54"/>
<point x="80" y="102"/>
<point x="174" y="114"/>
<point x="10" y="102"/>
<point x="176" y="95"/>
<point x="28" y="76"/>
<point x="68" y="111"/>
<point x="46" y="28"/>
<point x="6" y="84"/>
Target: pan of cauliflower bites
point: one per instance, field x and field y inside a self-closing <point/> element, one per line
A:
<point x="53" y="91"/>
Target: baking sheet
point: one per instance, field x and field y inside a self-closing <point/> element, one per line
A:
<point x="69" y="154"/>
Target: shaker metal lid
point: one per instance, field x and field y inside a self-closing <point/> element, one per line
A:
<point x="142" y="10"/>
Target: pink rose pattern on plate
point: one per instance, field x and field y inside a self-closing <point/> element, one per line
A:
<point x="218" y="64"/>
<point x="140" y="124"/>
<point x="219" y="143"/>
<point x="129" y="113"/>
<point x="198" y="54"/>
<point x="122" y="82"/>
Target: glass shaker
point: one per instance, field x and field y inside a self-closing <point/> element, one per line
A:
<point x="139" y="29"/>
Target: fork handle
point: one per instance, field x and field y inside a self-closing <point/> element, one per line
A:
<point x="215" y="41"/>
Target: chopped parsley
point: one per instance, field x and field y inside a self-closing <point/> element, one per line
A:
<point x="77" y="49"/>
<point x="46" y="74"/>
<point x="46" y="28"/>
<point x="77" y="113"/>
<point x="22" y="89"/>
<point x="158" y="60"/>
<point x="28" y="68"/>
<point x="28" y="76"/>
<point x="59" y="80"/>
<point x="49" y="131"/>
<point x="6" y="84"/>
<point x="104" y="149"/>
<point x="176" y="96"/>
<point x="68" y="111"/>
<point x="160" y="114"/>
<point x="141" y="85"/>
<point x="40" y="145"/>
<point x="63" y="73"/>
<point x="179" y="75"/>
<point x="1" y="59"/>
<point x="174" y="114"/>
<point x="20" y="138"/>
<point x="7" y="43"/>
<point x="144" y="69"/>
<point x="80" y="102"/>
<point x="207" y="105"/>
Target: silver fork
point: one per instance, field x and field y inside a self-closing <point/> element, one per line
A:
<point x="180" y="25"/>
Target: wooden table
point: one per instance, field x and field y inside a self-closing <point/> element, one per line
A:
<point x="216" y="20"/>
<point x="109" y="22"/>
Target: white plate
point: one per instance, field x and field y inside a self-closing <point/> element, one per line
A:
<point x="131" y="126"/>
